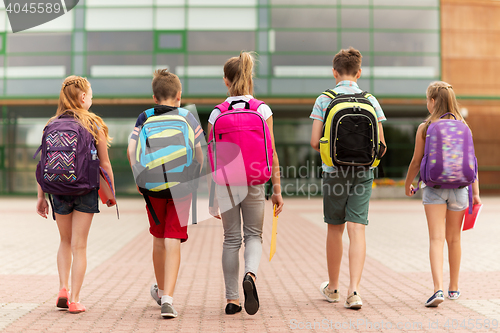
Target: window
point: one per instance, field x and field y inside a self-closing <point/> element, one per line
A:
<point x="38" y="42"/>
<point x="221" y="41"/>
<point x="119" y="41"/>
<point x="303" y="18"/>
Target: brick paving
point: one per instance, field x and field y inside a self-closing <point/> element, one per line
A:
<point x="396" y="279"/>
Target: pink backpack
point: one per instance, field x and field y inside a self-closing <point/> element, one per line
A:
<point x="240" y="149"/>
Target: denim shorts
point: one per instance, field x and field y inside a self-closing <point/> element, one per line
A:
<point x="456" y="199"/>
<point x="87" y="203"/>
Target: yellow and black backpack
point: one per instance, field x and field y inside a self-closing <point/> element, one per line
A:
<point x="350" y="131"/>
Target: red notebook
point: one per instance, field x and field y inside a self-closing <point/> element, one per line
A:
<point x="106" y="190"/>
<point x="470" y="219"/>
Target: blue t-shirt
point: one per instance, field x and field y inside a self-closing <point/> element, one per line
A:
<point x="343" y="87"/>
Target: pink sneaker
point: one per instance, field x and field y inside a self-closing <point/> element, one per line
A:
<point x="75" y="307"/>
<point x="62" y="299"/>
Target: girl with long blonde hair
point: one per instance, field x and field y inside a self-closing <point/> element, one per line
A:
<point x="74" y="213"/>
<point x="444" y="208"/>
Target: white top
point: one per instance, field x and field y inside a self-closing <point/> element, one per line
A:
<point x="263" y="109"/>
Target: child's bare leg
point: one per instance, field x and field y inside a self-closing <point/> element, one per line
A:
<point x="159" y="257"/>
<point x="172" y="263"/>
<point x="80" y="231"/>
<point x="453" y="239"/>
<point x="437" y="231"/>
<point x="64" y="257"/>
<point x="357" y="254"/>
<point x="334" y="250"/>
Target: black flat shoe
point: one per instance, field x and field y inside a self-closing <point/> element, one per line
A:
<point x="232" y="308"/>
<point x="251" y="297"/>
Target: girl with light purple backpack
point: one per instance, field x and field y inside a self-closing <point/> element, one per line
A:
<point x="243" y="157"/>
<point x="444" y="155"/>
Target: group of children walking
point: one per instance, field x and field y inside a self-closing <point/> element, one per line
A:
<point x="339" y="115"/>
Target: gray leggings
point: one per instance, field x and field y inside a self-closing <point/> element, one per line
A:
<point x="248" y="202"/>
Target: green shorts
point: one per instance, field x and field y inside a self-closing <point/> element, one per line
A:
<point x="346" y="195"/>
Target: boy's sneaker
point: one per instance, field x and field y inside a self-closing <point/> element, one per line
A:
<point x="453" y="294"/>
<point x="168" y="311"/>
<point x="154" y="293"/>
<point x="330" y="295"/>
<point x="435" y="299"/>
<point x="353" y="301"/>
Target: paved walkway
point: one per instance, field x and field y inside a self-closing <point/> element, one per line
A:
<point x="396" y="279"/>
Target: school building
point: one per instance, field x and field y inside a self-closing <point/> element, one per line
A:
<point x="117" y="44"/>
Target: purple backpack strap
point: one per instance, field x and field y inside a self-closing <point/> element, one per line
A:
<point x="470" y="199"/>
<point x="418" y="185"/>
<point x="448" y="113"/>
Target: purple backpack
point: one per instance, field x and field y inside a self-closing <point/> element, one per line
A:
<point x="449" y="160"/>
<point x="68" y="164"/>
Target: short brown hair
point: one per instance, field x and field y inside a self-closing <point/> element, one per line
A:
<point x="165" y="85"/>
<point x="347" y="61"/>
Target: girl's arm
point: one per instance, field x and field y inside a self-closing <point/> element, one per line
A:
<point x="42" y="207"/>
<point x="414" y="167"/>
<point x="276" y="198"/>
<point x="102" y="153"/>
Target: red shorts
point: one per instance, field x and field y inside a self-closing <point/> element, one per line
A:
<point x="173" y="216"/>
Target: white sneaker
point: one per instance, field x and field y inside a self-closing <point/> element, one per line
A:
<point x="154" y="293"/>
<point x="353" y="301"/>
<point x="331" y="296"/>
<point x="168" y="311"/>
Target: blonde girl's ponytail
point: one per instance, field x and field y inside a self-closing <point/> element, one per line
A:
<point x="444" y="101"/>
<point x="239" y="72"/>
<point x="71" y="90"/>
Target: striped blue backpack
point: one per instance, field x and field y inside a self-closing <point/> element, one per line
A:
<point x="164" y="163"/>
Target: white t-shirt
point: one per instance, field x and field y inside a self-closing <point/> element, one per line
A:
<point x="263" y="109"/>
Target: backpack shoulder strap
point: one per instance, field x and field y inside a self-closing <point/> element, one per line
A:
<point x="330" y="93"/>
<point x="149" y="112"/>
<point x="183" y="112"/>
<point x="223" y="107"/>
<point x="255" y="103"/>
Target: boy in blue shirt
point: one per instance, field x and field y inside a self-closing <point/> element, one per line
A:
<point x="348" y="206"/>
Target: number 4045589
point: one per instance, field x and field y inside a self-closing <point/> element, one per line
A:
<point x="34" y="8"/>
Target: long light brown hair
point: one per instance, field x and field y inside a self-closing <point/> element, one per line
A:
<point x="445" y="101"/>
<point x="69" y="102"/>
<point x="239" y="72"/>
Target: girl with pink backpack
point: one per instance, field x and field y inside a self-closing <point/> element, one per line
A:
<point x="242" y="156"/>
<point x="444" y="155"/>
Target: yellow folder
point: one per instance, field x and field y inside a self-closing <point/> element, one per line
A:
<point x="273" y="234"/>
